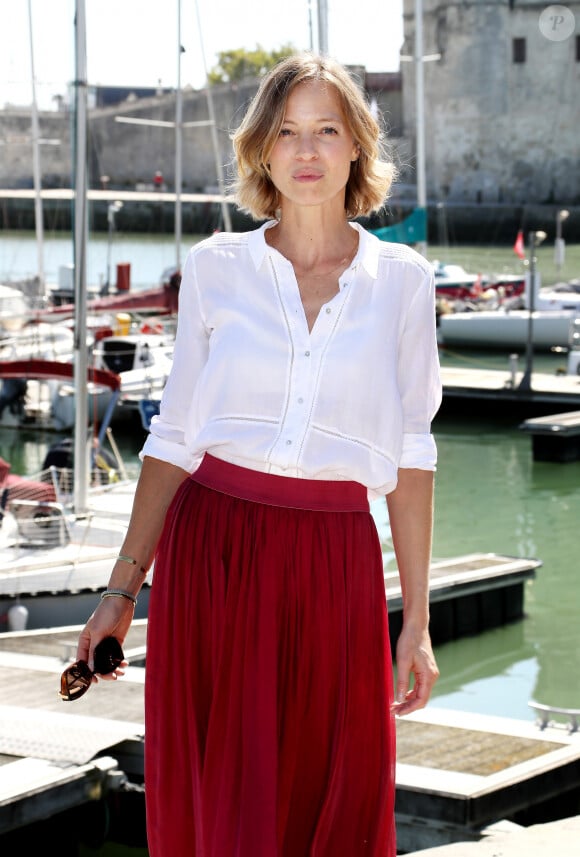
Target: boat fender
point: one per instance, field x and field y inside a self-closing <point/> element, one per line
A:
<point x="105" y="470"/>
<point x="151" y="328"/>
<point x="17" y="617"/>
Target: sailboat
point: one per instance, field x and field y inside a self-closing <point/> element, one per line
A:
<point x="57" y="550"/>
<point x="56" y="553"/>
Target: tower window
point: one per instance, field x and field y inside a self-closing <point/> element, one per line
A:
<point x="519" y="50"/>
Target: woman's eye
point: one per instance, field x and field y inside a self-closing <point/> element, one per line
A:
<point x="285" y="132"/>
<point x="329" y="130"/>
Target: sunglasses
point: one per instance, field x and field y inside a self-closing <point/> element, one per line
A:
<point x="76" y="679"/>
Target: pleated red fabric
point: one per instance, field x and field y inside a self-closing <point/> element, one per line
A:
<point x="268" y="673"/>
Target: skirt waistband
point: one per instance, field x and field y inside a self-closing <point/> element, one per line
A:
<point x="316" y="495"/>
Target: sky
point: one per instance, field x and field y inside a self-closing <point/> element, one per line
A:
<point x="134" y="42"/>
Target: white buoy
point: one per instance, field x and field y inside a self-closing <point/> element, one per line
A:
<point x="17" y="617"/>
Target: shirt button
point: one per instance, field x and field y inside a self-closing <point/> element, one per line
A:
<point x="307" y="353"/>
<point x="300" y="400"/>
<point x="288" y="443"/>
<point x="328" y="310"/>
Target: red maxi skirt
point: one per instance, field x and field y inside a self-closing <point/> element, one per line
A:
<point x="269" y="673"/>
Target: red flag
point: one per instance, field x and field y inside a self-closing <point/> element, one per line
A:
<point x="519" y="245"/>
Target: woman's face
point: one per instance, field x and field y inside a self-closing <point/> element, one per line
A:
<point x="310" y="161"/>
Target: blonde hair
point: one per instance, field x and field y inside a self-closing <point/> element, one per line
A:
<point x="371" y="175"/>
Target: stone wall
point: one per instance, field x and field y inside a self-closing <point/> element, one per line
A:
<point x="127" y="156"/>
<point x="497" y="131"/>
<point x="130" y="154"/>
<point x="16" y="148"/>
<point x="501" y="136"/>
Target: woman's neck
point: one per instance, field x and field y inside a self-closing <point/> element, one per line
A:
<point x="311" y="239"/>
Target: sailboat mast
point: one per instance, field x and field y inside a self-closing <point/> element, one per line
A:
<point x="214" y="137"/>
<point x="322" y="27"/>
<point x="38" y="219"/>
<point x="80" y="499"/>
<point x="420" y="111"/>
<point x="178" y="144"/>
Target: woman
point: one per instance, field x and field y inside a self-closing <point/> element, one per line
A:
<point x="304" y="382"/>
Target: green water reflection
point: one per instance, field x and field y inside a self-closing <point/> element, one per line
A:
<point x="491" y="496"/>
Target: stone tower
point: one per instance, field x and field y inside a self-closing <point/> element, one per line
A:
<point x="502" y="103"/>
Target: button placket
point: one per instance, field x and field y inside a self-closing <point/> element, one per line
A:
<point x="286" y="450"/>
<point x="294" y="426"/>
<point x="309" y="348"/>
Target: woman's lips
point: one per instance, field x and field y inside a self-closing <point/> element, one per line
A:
<point x="307" y="176"/>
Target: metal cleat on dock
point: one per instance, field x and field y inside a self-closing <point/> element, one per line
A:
<point x="545" y="712"/>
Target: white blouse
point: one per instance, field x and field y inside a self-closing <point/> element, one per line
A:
<point x="353" y="399"/>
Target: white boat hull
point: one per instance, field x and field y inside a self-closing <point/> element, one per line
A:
<point x="506" y="329"/>
<point x="56" y="571"/>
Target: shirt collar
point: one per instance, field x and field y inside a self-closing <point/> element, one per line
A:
<point x="367" y="255"/>
<point x="257" y="243"/>
<point x="368" y="251"/>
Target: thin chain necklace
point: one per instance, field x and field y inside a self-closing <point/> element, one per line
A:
<point x="344" y="262"/>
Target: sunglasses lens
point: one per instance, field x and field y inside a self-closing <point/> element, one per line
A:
<point x="75" y="681"/>
<point x="108" y="656"/>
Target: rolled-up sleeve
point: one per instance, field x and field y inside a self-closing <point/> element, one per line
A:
<point x="420" y="451"/>
<point x="419" y="378"/>
<point x="166" y="439"/>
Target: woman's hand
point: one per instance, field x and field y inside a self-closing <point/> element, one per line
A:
<point x="111" y="618"/>
<point x="414" y="657"/>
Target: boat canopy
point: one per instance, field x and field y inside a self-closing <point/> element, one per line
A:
<point x="37" y="369"/>
<point x="411" y="230"/>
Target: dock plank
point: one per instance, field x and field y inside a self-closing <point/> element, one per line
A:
<point x="467" y="594"/>
<point x="34" y="789"/>
<point x="559" y="837"/>
<point x="458" y="772"/>
<point x="499" y="385"/>
<point x="566" y="423"/>
<point x="453" y="748"/>
<point x="555" y="437"/>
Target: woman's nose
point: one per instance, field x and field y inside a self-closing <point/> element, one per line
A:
<point x="306" y="149"/>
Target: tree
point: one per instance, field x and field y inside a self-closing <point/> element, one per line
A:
<point x="239" y="64"/>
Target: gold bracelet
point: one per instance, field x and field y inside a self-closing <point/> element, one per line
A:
<point x="123" y="558"/>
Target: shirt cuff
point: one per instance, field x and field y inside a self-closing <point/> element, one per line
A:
<point x="419" y="451"/>
<point x="173" y="453"/>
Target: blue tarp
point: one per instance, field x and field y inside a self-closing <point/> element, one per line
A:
<point x="409" y="231"/>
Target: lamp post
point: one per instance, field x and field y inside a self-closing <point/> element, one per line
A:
<point x="559" y="244"/>
<point x="112" y="210"/>
<point x="534" y="240"/>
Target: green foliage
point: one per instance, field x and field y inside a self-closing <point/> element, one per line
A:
<point x="240" y="64"/>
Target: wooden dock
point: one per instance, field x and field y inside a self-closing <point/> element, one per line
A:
<point x="559" y="837"/>
<point x="495" y="386"/>
<point x="56" y="756"/>
<point x="457" y="773"/>
<point x="555" y="437"/>
<point x="467" y="595"/>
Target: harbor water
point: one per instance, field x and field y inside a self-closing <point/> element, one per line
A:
<point x="491" y="497"/>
